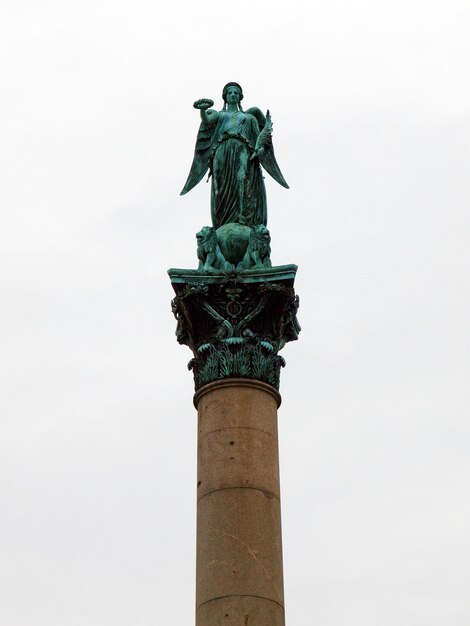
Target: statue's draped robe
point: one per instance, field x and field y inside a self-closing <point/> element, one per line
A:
<point x="238" y="192"/>
<point x="224" y="147"/>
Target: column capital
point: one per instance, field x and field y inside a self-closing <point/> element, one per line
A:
<point x="236" y="322"/>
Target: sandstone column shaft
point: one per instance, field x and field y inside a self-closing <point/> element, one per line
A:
<point x="239" y="578"/>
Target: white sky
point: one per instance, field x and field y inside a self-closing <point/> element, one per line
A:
<point x="371" y="108"/>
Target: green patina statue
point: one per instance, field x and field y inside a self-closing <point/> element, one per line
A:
<point x="235" y="311"/>
<point x="232" y="144"/>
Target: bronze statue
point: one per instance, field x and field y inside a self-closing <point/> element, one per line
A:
<point x="235" y="311"/>
<point x="232" y="144"/>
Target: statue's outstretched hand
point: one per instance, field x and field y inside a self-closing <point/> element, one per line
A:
<point x="203" y="104"/>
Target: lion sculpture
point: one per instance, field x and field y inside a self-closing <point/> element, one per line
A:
<point x="259" y="249"/>
<point x="210" y="257"/>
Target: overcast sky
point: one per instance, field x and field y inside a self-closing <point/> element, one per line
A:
<point x="370" y="102"/>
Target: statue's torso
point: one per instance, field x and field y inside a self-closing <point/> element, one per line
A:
<point x="238" y="123"/>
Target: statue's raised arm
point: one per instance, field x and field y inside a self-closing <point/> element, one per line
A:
<point x="232" y="144"/>
<point x="208" y="116"/>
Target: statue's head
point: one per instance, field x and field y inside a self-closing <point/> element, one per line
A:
<point x="227" y="87"/>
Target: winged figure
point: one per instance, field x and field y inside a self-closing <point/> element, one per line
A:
<point x="233" y="145"/>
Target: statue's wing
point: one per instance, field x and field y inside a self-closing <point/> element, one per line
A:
<point x="266" y="155"/>
<point x="200" y="163"/>
<point x="259" y="115"/>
